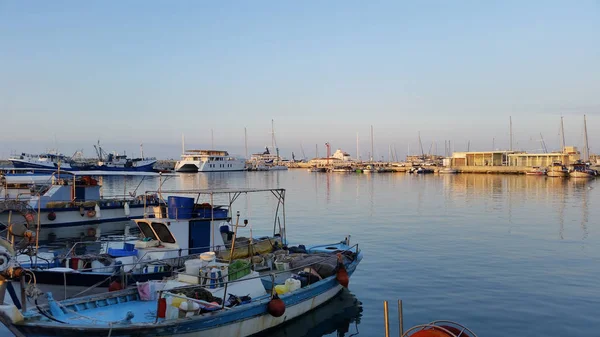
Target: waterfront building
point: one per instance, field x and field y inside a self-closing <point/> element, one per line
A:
<point x="568" y="156"/>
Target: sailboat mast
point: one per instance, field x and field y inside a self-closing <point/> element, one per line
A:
<point x="272" y="135"/>
<point x="511" y="133"/>
<point x="562" y="134"/>
<point x="586" y="153"/>
<point x="372" y="143"/>
<point x="246" y="143"/>
<point x="357" y="155"/>
<point x="182" y="143"/>
<point x="421" y="146"/>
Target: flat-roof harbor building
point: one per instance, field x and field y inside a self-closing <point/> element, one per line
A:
<point x="481" y="158"/>
<point x="569" y="156"/>
<point x="515" y="158"/>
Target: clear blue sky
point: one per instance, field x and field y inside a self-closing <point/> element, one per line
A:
<point x="127" y="72"/>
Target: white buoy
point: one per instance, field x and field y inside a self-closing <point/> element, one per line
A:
<point x="97" y="210"/>
<point x="126" y="207"/>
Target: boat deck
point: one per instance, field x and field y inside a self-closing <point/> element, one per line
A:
<point x="143" y="312"/>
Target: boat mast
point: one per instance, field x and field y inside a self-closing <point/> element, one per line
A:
<point x="182" y="143"/>
<point x="562" y="134"/>
<point x="372" y="143"/>
<point x="421" y="146"/>
<point x="246" y="143"/>
<point x="357" y="155"/>
<point x="511" y="133"/>
<point x="586" y="149"/>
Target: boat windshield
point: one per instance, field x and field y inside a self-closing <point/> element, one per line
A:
<point x="164" y="234"/>
<point x="146" y="230"/>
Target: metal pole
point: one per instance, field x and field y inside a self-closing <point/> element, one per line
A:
<point x="23" y="295"/>
<point x="400" y="318"/>
<point x="386" y="319"/>
<point x="65" y="283"/>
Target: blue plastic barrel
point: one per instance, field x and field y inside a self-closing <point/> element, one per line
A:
<point x="180" y="207"/>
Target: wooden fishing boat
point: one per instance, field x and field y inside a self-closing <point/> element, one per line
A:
<point x="582" y="171"/>
<point x="558" y="170"/>
<point x="536" y="171"/>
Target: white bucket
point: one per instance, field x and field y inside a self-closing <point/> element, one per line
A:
<point x="293" y="284"/>
<point x="192" y="267"/>
<point x="99" y="267"/>
<point x="208" y="257"/>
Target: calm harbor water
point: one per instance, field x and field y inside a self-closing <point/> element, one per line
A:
<point x="503" y="255"/>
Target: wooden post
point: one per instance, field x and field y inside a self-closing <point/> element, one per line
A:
<point x="386" y="320"/>
<point x="400" y="318"/>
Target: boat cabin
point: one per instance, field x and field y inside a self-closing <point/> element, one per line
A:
<point x="169" y="238"/>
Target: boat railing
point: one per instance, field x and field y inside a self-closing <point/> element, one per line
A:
<point x="141" y="260"/>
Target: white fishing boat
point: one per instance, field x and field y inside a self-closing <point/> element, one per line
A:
<point x="70" y="204"/>
<point x="213" y="297"/>
<point x="50" y="160"/>
<point x="209" y="161"/>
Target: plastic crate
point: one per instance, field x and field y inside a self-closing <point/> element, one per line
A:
<point x="121" y="252"/>
<point x="238" y="269"/>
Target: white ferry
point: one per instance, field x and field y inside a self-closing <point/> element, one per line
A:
<point x="209" y="161"/>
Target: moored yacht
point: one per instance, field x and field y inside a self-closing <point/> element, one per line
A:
<point x="266" y="161"/>
<point x="209" y="161"/>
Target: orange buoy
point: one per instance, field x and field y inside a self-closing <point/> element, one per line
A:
<point x="431" y="333"/>
<point x="276" y="306"/>
<point x="342" y="275"/>
<point x="91" y="213"/>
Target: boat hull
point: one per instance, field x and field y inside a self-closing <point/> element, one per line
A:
<point x="242" y="321"/>
<point x="148" y="167"/>
<point x="557" y="174"/>
<point x="581" y="175"/>
<point x="21" y="164"/>
<point x="70" y="223"/>
<point x="88" y="279"/>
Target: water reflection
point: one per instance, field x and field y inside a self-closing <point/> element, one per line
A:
<point x="339" y="317"/>
<point x="566" y="200"/>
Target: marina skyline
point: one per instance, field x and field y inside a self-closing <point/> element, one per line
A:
<point x="403" y="145"/>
